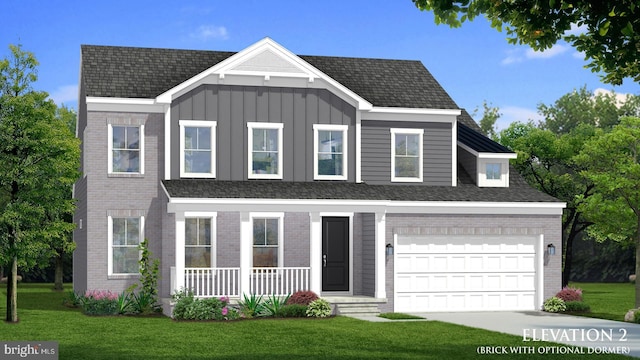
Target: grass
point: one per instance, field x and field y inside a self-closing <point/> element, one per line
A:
<point x="399" y="316"/>
<point x="44" y="318"/>
<point x="609" y="301"/>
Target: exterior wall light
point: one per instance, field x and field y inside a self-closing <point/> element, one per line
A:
<point x="389" y="250"/>
<point x="551" y="250"/>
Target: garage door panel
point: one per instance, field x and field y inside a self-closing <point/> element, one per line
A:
<point x="468" y="273"/>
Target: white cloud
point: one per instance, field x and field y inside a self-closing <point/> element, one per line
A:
<point x="65" y="94"/>
<point x="522" y="54"/>
<point x="620" y="97"/>
<point x="208" y="32"/>
<point x="514" y="113"/>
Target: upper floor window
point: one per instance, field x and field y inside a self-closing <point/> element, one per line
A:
<point x="125" y="149"/>
<point x="197" y="148"/>
<point x="265" y="150"/>
<point x="493" y="172"/>
<point x="125" y="234"/>
<point x="406" y="155"/>
<point x="198" y="242"/>
<point x="267" y="240"/>
<point x="330" y="154"/>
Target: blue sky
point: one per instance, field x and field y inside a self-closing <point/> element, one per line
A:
<point x="473" y="63"/>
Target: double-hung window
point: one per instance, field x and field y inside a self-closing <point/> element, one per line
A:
<point x="197" y="148"/>
<point x="125" y="235"/>
<point x="267" y="240"/>
<point x="125" y="149"/>
<point x="198" y="242"/>
<point x="406" y="155"/>
<point x="265" y="150"/>
<point x="330" y="152"/>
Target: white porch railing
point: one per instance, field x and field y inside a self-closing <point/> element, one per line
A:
<point x="213" y="282"/>
<point x="279" y="281"/>
<point x="217" y="282"/>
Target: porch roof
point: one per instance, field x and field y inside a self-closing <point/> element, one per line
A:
<point x="519" y="191"/>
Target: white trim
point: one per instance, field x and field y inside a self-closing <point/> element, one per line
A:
<point x="110" y="242"/>
<point x="394" y="207"/>
<point x="167" y="142"/>
<point x="213" y="216"/>
<point x="487" y="155"/>
<point x="123" y="105"/>
<point x="380" y="256"/>
<point x="540" y="254"/>
<point x="345" y="156"/>
<point x="411" y="115"/>
<point x="264" y="125"/>
<point x="219" y="72"/>
<point x="110" y="149"/>
<point x="315" y="252"/>
<point x="358" y="146"/>
<point x="212" y="125"/>
<point x="454" y="154"/>
<point x="270" y="215"/>
<point x="399" y="131"/>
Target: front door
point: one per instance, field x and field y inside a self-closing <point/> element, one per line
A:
<point x="335" y="254"/>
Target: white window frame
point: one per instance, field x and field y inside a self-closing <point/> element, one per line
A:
<point x="110" y="149"/>
<point x="345" y="146"/>
<point x="110" y="242"/>
<point x="201" y="124"/>
<point x="270" y="215"/>
<point x="399" y="131"/>
<point x="203" y="215"/>
<point x="263" y="125"/>
<point x="482" y="172"/>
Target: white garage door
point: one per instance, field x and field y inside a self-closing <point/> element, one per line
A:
<point x="465" y="273"/>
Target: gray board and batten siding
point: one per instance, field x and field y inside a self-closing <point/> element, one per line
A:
<point x="376" y="151"/>
<point x="233" y="106"/>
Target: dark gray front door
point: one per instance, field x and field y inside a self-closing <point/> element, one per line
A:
<point x="335" y="254"/>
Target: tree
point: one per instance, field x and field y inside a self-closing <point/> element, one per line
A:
<point x="39" y="158"/>
<point x="545" y="160"/>
<point x="489" y="117"/>
<point x="612" y="163"/>
<point x="547" y="153"/>
<point x="610" y="40"/>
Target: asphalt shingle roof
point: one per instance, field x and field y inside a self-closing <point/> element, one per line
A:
<point x="133" y="72"/>
<point x="519" y="191"/>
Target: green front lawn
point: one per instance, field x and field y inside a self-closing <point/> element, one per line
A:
<point x="607" y="300"/>
<point x="43" y="318"/>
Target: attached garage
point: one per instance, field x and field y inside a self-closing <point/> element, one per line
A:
<point x="438" y="273"/>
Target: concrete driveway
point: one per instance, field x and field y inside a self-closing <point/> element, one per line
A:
<point x="597" y="336"/>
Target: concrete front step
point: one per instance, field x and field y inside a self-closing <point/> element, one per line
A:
<point x="357" y="309"/>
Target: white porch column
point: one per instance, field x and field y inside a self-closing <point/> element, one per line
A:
<point x="315" y="253"/>
<point x="180" y="230"/>
<point x="246" y="243"/>
<point x="380" y="253"/>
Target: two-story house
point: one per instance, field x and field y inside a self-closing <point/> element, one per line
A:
<point x="267" y="172"/>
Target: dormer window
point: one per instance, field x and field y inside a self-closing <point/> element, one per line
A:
<point x="493" y="172"/>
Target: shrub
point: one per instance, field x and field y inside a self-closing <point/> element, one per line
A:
<point x="251" y="306"/>
<point x="302" y="298"/>
<point x="100" y="302"/>
<point x="636" y="317"/>
<point x="576" y="306"/>
<point x="319" y="308"/>
<point x="73" y="300"/>
<point x="187" y="307"/>
<point x="570" y="294"/>
<point x="272" y="306"/>
<point x="554" y="304"/>
<point x="293" y="310"/>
